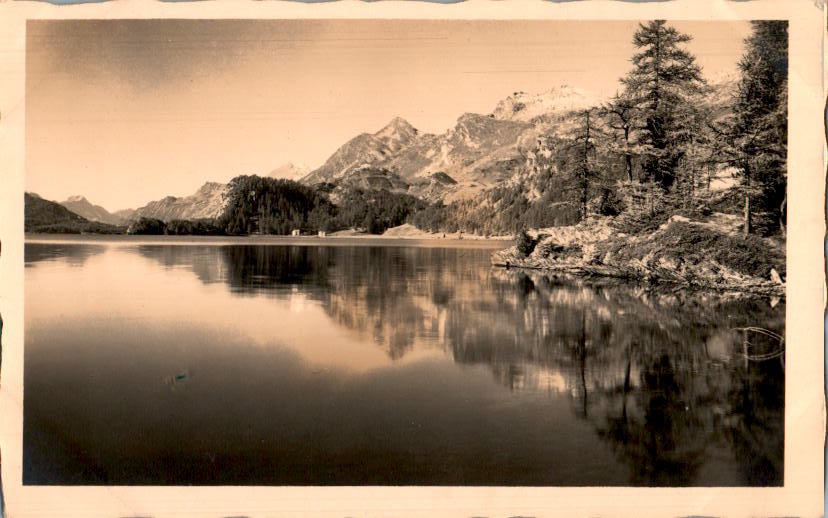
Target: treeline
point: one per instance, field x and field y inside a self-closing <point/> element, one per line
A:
<point x="260" y="205"/>
<point x="375" y="211"/>
<point x="177" y="227"/>
<point x="503" y="210"/>
<point x="549" y="198"/>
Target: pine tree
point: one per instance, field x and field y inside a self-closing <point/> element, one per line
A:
<point x="692" y="134"/>
<point x="619" y="114"/>
<point x="583" y="146"/>
<point x="664" y="75"/>
<point x="754" y="138"/>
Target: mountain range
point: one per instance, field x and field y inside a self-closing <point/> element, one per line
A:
<point x="479" y="152"/>
<point x="82" y="207"/>
<point x="207" y="202"/>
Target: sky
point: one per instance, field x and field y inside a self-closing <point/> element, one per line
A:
<point x="129" y="111"/>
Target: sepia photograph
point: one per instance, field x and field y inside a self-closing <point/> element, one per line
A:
<point x="401" y="259"/>
<point x="373" y="252"/>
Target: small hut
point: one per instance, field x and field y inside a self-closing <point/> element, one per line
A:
<point x="295" y="232"/>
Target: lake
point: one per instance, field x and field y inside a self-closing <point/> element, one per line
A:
<point x="384" y="363"/>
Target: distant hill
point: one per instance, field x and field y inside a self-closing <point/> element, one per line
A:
<point x="208" y="202"/>
<point x="46" y="216"/>
<point x="82" y="207"/>
<point x="125" y="215"/>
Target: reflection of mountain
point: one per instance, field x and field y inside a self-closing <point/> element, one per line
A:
<point x="660" y="377"/>
<point x="75" y="254"/>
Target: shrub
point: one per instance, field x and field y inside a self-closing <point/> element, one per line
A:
<point x="611" y="204"/>
<point x="525" y="244"/>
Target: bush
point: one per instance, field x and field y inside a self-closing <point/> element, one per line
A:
<point x="693" y="244"/>
<point x="525" y="244"/>
<point x="611" y="204"/>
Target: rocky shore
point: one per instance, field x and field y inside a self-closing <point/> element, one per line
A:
<point x="710" y="255"/>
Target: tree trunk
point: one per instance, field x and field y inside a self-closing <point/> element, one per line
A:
<point x="627" y="154"/>
<point x="585" y="171"/>
<point x="747" y="214"/>
<point x="747" y="228"/>
<point x="692" y="169"/>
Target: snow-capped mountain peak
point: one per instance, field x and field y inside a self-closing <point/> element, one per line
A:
<point x="522" y="106"/>
<point x="290" y="171"/>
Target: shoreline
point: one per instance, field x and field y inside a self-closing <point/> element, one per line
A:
<point x="651" y="278"/>
<point x="596" y="250"/>
<point x="425" y="241"/>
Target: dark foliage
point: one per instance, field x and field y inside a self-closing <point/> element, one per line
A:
<point x="525" y="244"/>
<point x="663" y="77"/>
<point x="755" y="138"/>
<point x="748" y="255"/>
<point x="198" y="227"/>
<point x="375" y="211"/>
<point x="610" y="204"/>
<point x="269" y="206"/>
<point x="148" y="226"/>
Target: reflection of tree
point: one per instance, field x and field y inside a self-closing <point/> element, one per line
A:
<point x="634" y="363"/>
<point x="638" y="370"/>
<point x="663" y="442"/>
<point x="248" y="269"/>
<point x="757" y="424"/>
<point x="254" y="268"/>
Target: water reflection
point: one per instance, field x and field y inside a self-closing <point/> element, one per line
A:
<point x="660" y="379"/>
<point x="71" y="254"/>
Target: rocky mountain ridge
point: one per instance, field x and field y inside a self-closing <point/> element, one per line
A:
<point x="81" y="206"/>
<point x="207" y="202"/>
<point x="479" y="151"/>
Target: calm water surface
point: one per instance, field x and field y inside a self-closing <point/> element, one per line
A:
<point x="383" y="365"/>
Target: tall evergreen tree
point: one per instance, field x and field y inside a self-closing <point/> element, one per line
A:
<point x="762" y="119"/>
<point x="663" y="77"/>
<point x="692" y="134"/>
<point x="584" y="138"/>
<point x="754" y="138"/>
